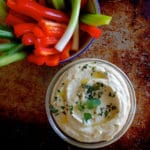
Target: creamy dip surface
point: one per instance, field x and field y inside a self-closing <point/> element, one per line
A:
<point x="90" y="102"/>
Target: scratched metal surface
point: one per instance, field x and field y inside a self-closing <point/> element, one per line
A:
<point x="125" y="42"/>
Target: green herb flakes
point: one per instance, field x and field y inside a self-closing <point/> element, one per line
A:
<point x="58" y="91"/>
<point x="112" y="94"/>
<point x="79" y="95"/>
<point x="93" y="91"/>
<point x="100" y="93"/>
<point x="113" y="107"/>
<point x="56" y="98"/>
<point x="104" y="111"/>
<point x="84" y="67"/>
<point x="92" y="103"/>
<point x="70" y="108"/>
<point x="93" y="68"/>
<point x="53" y="109"/>
<point x="63" y="107"/>
<point x="87" y="116"/>
<point x="80" y="106"/>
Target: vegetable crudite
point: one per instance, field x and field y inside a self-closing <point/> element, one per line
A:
<point x="54" y="30"/>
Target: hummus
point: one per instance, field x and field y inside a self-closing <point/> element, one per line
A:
<point x="90" y="102"/>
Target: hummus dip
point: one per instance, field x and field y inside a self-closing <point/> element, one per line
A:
<point x="90" y="102"/>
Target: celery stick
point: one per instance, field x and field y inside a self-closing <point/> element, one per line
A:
<point x="15" y="49"/>
<point x="58" y="4"/>
<point x="95" y="19"/>
<point x="3" y="10"/>
<point x="75" y="39"/>
<point x="71" y="26"/>
<point x="8" y="59"/>
<point x="6" y="34"/>
<point x="90" y="7"/>
<point x="5" y="27"/>
<point x="7" y="46"/>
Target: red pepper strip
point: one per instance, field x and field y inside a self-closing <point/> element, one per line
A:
<point x="23" y="28"/>
<point x="16" y="18"/>
<point x="52" y="28"/>
<point x="36" y="11"/>
<point x="44" y="51"/>
<point x="42" y="2"/>
<point x="52" y="60"/>
<point x="65" y="53"/>
<point x="54" y="31"/>
<point x="93" y="31"/>
<point x="13" y="20"/>
<point x="50" y="23"/>
<point x="38" y="32"/>
<point x="46" y="41"/>
<point x="21" y="16"/>
<point x="28" y="39"/>
<point x="38" y="60"/>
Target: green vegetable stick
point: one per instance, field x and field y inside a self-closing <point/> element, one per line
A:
<point x="5" y="28"/>
<point x="15" y="49"/>
<point x="8" y="59"/>
<point x="95" y="19"/>
<point x="71" y="26"/>
<point x="6" y="34"/>
<point x="3" y="10"/>
<point x="7" y="46"/>
<point x="58" y="4"/>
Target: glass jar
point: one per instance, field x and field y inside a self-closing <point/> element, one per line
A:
<point x="98" y="128"/>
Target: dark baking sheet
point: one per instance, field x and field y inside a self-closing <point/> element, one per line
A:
<point x="125" y="42"/>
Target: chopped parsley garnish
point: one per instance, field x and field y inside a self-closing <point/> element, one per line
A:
<point x="93" y="91"/>
<point x="104" y="111"/>
<point x="92" y="103"/>
<point x="84" y="67"/>
<point x="53" y="109"/>
<point x="87" y="116"/>
<point x="112" y="94"/>
<point x="106" y="73"/>
<point x="58" y="91"/>
<point x="93" y="68"/>
<point x="63" y="107"/>
<point x="56" y="98"/>
<point x="70" y="108"/>
<point x="95" y="87"/>
<point x="79" y="95"/>
<point x="100" y="93"/>
<point x="80" y="106"/>
<point x="92" y="99"/>
<point x="113" y="107"/>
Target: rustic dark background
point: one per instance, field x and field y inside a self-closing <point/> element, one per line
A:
<point x="125" y="42"/>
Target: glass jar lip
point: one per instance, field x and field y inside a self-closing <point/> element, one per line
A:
<point x="96" y="144"/>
